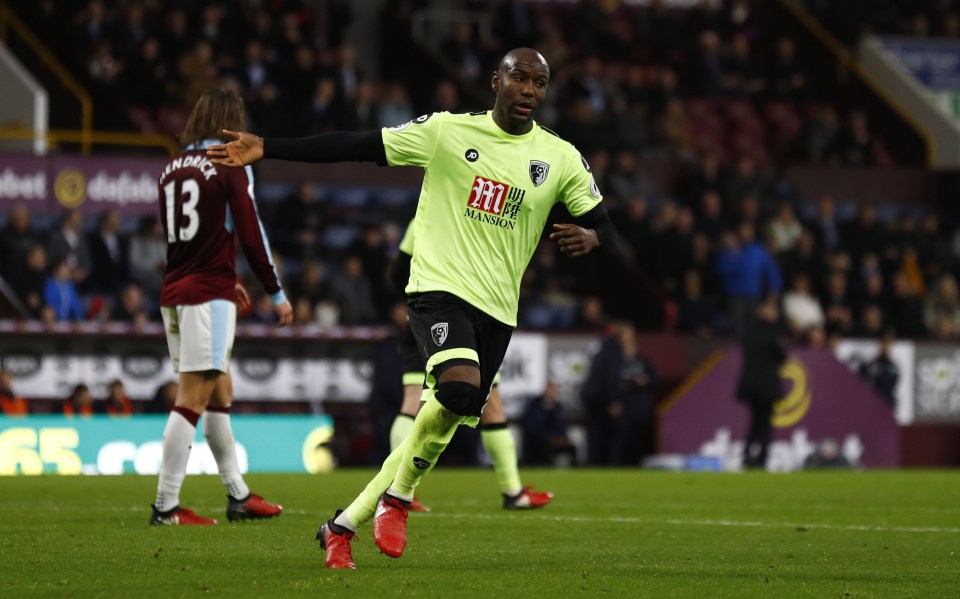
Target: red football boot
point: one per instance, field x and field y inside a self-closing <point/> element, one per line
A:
<point x="339" y="554"/>
<point x="390" y="525"/>
<point x="253" y="507"/>
<point x="179" y="516"/>
<point x="416" y="506"/>
<point x="528" y="499"/>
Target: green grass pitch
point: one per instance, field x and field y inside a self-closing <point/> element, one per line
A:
<point x="618" y="533"/>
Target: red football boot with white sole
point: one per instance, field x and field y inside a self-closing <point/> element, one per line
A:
<point x="528" y="499"/>
<point x="253" y="507"/>
<point x="178" y="516"/>
<point x="390" y="525"/>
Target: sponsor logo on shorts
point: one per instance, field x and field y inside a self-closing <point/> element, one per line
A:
<point x="421" y="463"/>
<point x="439" y="332"/>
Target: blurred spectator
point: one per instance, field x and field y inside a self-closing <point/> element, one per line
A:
<point x="132" y="308"/>
<point x="748" y="274"/>
<point x="871" y="323"/>
<point x="372" y="251"/>
<point x="303" y="311"/>
<point x="16" y="241"/>
<point x="61" y="295"/>
<point x="545" y="431"/>
<point x="145" y="75"/>
<point x="352" y="293"/>
<point x="744" y="181"/>
<point x="711" y="221"/>
<point x="801" y="309"/>
<point x="942" y="309"/>
<point x="462" y="52"/>
<point x="826" y="455"/>
<point x="854" y="145"/>
<point x="310" y="285"/>
<point x="300" y="220"/>
<point x="164" y="399"/>
<point x="675" y="131"/>
<point x="108" y="254"/>
<point x="787" y="80"/>
<point x="804" y="258"/>
<point x="626" y="180"/>
<point x="882" y="372"/>
<point x="694" y="314"/>
<point x="785" y="229"/>
<point x="837" y="306"/>
<point x="590" y="316"/>
<point x="825" y="226"/>
<point x="764" y="352"/>
<point x="710" y="71"/>
<point x="361" y="114"/>
<point x="818" y="139"/>
<point x="907" y="309"/>
<point x="446" y="97"/>
<point x="117" y="403"/>
<point x="80" y="403"/>
<point x="742" y="76"/>
<point x="148" y="255"/>
<point x="11" y="404"/>
<point x="707" y="177"/>
<point x="386" y="389"/>
<point x="618" y="399"/>
<point x="30" y="284"/>
<point x="395" y="108"/>
<point x="69" y="244"/>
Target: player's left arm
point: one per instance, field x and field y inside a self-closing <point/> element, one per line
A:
<point x="250" y="231"/>
<point x="579" y="192"/>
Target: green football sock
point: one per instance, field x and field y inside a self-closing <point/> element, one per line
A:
<point x="400" y="430"/>
<point x="499" y="444"/>
<point x="432" y="431"/>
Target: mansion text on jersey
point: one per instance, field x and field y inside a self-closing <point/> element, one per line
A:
<point x="199" y="161"/>
<point x="493" y="219"/>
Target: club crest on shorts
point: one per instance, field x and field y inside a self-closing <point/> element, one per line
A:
<point x="538" y="172"/>
<point x="439" y="332"/>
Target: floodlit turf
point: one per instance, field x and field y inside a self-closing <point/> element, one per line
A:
<point x="614" y="533"/>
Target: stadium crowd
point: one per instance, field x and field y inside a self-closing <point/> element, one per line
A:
<point x="729" y="103"/>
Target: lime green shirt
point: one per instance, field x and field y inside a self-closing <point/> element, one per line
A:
<point x="484" y="202"/>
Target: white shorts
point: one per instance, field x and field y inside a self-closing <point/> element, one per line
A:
<point x="200" y="337"/>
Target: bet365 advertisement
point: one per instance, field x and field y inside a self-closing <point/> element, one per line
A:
<point x="104" y="445"/>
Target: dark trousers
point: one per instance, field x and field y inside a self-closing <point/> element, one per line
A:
<point x="761" y="432"/>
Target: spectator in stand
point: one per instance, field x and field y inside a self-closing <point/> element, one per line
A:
<point x="11" y="404"/>
<point x="743" y="182"/>
<point x="396" y="107"/>
<point x="804" y="258"/>
<point x="742" y="77"/>
<point x="675" y="133"/>
<point x="826" y="228"/>
<point x="590" y="317"/>
<point x="694" y="314"/>
<point x="626" y="180"/>
<point x="710" y="68"/>
<point x="873" y="293"/>
<point x="942" y="309"/>
<point x="446" y="97"/>
<point x="299" y="222"/>
<point x="785" y="229"/>
<point x="871" y="324"/>
<point x="60" y="294"/>
<point x="31" y="282"/>
<point x="801" y="308"/>
<point x="117" y="403"/>
<point x="707" y="177"/>
<point x="882" y="372"/>
<point x="353" y="295"/>
<point x="372" y="251"/>
<point x="461" y="51"/>
<point x="545" y="427"/>
<point x="361" y="114"/>
<point x="16" y="241"/>
<point x="164" y="399"/>
<point x="748" y="274"/>
<point x="854" y="145"/>
<point x="786" y="80"/>
<point x="322" y="112"/>
<point x="132" y="308"/>
<point x="815" y="144"/>
<point x="69" y="244"/>
<point x="145" y="76"/>
<point x="837" y="306"/>
<point x="148" y="255"/>
<point x="80" y="403"/>
<point x="108" y="254"/>
<point x="907" y="309"/>
<point x="618" y="398"/>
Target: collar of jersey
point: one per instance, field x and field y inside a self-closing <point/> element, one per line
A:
<point x="203" y="145"/>
<point x="505" y="135"/>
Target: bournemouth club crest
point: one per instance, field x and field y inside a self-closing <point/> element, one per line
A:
<point x="538" y="172"/>
<point x="439" y="332"/>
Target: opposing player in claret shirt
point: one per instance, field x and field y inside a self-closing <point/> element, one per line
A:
<point x="490" y="181"/>
<point x="205" y="209"/>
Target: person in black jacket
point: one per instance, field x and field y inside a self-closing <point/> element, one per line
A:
<point x="618" y="401"/>
<point x="764" y="352"/>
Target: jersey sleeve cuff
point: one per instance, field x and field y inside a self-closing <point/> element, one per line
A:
<point x="278" y="298"/>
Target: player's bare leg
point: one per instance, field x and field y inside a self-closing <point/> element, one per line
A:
<point x="192" y="398"/>
<point x="500" y="446"/>
<point x="241" y="503"/>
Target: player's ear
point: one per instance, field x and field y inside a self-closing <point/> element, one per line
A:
<point x="495" y="81"/>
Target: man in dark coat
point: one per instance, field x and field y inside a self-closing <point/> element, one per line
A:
<point x="764" y="352"/>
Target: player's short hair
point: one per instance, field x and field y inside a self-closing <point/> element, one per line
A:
<point x="216" y="110"/>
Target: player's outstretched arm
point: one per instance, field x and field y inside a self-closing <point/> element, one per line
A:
<point x="337" y="146"/>
<point x="246" y="148"/>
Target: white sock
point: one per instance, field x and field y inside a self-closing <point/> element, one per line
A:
<point x="216" y="428"/>
<point x="344" y="521"/>
<point x="177" y="442"/>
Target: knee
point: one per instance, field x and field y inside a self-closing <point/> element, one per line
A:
<point x="463" y="399"/>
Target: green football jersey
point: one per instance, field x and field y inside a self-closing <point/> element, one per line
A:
<point x="484" y="202"/>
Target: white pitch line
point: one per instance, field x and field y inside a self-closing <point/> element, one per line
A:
<point x="564" y="518"/>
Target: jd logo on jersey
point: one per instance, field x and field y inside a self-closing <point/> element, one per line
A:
<point x="472" y="155"/>
<point x="439" y="332"/>
<point x="538" y="172"/>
